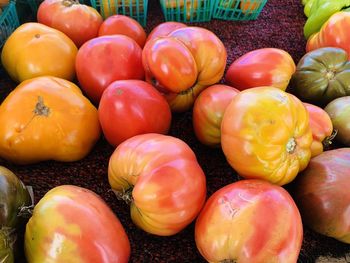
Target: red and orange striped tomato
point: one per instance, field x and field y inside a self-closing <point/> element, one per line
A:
<point x="71" y="222"/>
<point x="183" y="64"/>
<point x="261" y="67"/>
<point x="161" y="179"/>
<point x="334" y="33"/>
<point x="321" y="128"/>
<point x="208" y="110"/>
<point x="249" y="221"/>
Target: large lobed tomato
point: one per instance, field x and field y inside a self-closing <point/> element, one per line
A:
<point x="47" y="118"/>
<point x="261" y="67"/>
<point x="183" y="64"/>
<point x="79" y="22"/>
<point x="249" y="221"/>
<point x="322" y="194"/>
<point x="105" y="59"/>
<point x="131" y="107"/>
<point x="35" y="50"/>
<point x="161" y="179"/>
<point x="208" y="110"/>
<point x="265" y="134"/>
<point x="73" y="224"/>
<point x="164" y="29"/>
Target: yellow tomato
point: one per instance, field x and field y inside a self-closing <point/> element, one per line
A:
<point x="35" y="50"/>
<point x="47" y="118"/>
<point x="110" y="7"/>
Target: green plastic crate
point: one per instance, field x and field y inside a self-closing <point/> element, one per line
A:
<point x="8" y="22"/>
<point x="23" y="6"/>
<point x="136" y="9"/>
<point x="187" y="10"/>
<point x="238" y="9"/>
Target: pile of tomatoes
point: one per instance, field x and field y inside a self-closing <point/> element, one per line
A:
<point x="81" y="78"/>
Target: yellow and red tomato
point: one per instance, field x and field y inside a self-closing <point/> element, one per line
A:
<point x="34" y="50"/>
<point x="71" y="222"/>
<point x="183" y="64"/>
<point x="164" y="29"/>
<point x="208" y="110"/>
<point x="265" y="134"/>
<point x="79" y="22"/>
<point x="105" y="59"/>
<point x="261" y="67"/>
<point x="160" y="177"/>
<point x="131" y="107"/>
<point x="249" y="221"/>
<point x="47" y="118"/>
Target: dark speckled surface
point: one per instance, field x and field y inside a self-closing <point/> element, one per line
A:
<point x="279" y="25"/>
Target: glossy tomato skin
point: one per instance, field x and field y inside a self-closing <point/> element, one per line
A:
<point x="47" y="118"/>
<point x="102" y="60"/>
<point x="167" y="185"/>
<point x="131" y="107"/>
<point x="321" y="128"/>
<point x="322" y="196"/>
<point x="34" y="50"/>
<point x="79" y="22"/>
<point x="249" y="221"/>
<point x="208" y="110"/>
<point x="178" y="66"/>
<point x="273" y="144"/>
<point x="71" y="222"/>
<point x="123" y="25"/>
<point x="164" y="29"/>
<point x="261" y="67"/>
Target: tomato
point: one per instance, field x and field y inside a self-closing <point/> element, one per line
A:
<point x="35" y="50"/>
<point x="333" y="33"/>
<point x="189" y="8"/>
<point x="339" y="112"/>
<point x="249" y="221"/>
<point x="208" y="111"/>
<point x="102" y="60"/>
<point x="248" y="6"/>
<point x="261" y="67"/>
<point x="71" y="222"/>
<point x="111" y="7"/>
<point x="123" y="25"/>
<point x="161" y="179"/>
<point x="47" y="118"/>
<point x="131" y="107"/>
<point x="321" y="128"/>
<point x="265" y="134"/>
<point x="183" y="64"/>
<point x="79" y="22"/>
<point x="322" y="196"/>
<point x="164" y="29"/>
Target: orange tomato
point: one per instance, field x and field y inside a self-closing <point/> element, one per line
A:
<point x="249" y="6"/>
<point x="47" y="118"/>
<point x="265" y="134"/>
<point x="34" y="50"/>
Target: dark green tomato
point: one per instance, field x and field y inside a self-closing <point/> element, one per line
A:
<point x="14" y="197"/>
<point x="321" y="76"/>
<point x="7" y="241"/>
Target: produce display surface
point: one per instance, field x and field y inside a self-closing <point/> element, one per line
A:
<point x="280" y="25"/>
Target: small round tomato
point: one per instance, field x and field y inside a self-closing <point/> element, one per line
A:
<point x="103" y="60"/>
<point x="164" y="29"/>
<point x="261" y="67"/>
<point x="79" y="22"/>
<point x="159" y="176"/>
<point x="265" y="134"/>
<point x="249" y="221"/>
<point x="208" y="110"/>
<point x="131" y="107"/>
<point x="34" y="50"/>
<point x="123" y="25"/>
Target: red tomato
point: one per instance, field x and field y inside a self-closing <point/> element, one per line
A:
<point x="131" y="107"/>
<point x="161" y="179"/>
<point x="123" y="25"/>
<point x="249" y="221"/>
<point x="79" y="22"/>
<point x="208" y="111"/>
<point x="262" y="67"/>
<point x="102" y="60"/>
<point x="164" y="29"/>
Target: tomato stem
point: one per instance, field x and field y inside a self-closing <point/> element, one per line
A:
<point x="124" y="195"/>
<point x="26" y="211"/>
<point x="328" y="140"/>
<point x="41" y="108"/>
